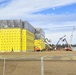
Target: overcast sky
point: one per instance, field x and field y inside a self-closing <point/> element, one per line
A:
<point x="56" y="17"/>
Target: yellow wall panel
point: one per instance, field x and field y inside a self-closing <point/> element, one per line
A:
<point x="27" y="41"/>
<point x="16" y="40"/>
<point x="40" y="44"/>
<point x="10" y="37"/>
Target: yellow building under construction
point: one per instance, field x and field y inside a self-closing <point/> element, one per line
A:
<point x="19" y="36"/>
<point x="16" y="39"/>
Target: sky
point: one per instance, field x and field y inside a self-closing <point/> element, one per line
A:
<point x="56" y="17"/>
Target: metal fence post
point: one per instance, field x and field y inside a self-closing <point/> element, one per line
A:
<point x="42" y="66"/>
<point x="4" y="67"/>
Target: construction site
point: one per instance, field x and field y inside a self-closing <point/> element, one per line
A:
<point x="24" y="50"/>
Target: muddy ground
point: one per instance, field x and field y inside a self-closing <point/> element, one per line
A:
<point x="55" y="63"/>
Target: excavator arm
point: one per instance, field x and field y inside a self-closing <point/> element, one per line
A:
<point x="59" y="41"/>
<point x="46" y="42"/>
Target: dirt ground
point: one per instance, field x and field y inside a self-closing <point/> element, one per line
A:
<point x="35" y="54"/>
<point x="55" y="63"/>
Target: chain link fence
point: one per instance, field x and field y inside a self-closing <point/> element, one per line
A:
<point x="37" y="66"/>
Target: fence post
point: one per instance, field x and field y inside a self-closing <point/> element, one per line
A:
<point x="4" y="67"/>
<point x="42" y="66"/>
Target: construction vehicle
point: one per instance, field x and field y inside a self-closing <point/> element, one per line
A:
<point x="48" y="47"/>
<point x="40" y="45"/>
<point x="68" y="48"/>
<point x="56" y="47"/>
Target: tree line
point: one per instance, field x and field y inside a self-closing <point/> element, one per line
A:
<point x="62" y="45"/>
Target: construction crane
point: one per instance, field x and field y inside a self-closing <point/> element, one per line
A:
<point x="69" y="48"/>
<point x="72" y="35"/>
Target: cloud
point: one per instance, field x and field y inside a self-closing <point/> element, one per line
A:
<point x="20" y="8"/>
<point x="53" y="24"/>
<point x="4" y="3"/>
<point x="53" y="18"/>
